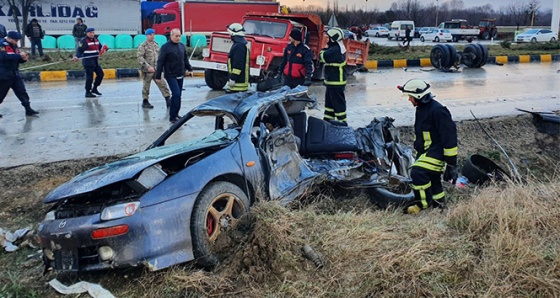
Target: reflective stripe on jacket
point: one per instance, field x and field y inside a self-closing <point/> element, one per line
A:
<point x="436" y="137"/>
<point x="88" y="47"/>
<point x="334" y="62"/>
<point x="238" y="64"/>
<point x="9" y="60"/>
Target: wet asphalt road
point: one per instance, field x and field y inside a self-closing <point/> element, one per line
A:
<point x="70" y="126"/>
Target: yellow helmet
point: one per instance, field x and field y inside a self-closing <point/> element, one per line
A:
<point x="415" y="88"/>
<point x="335" y="34"/>
<point x="236" y="29"/>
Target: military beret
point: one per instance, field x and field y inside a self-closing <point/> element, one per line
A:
<point x="14" y="35"/>
<point x="90" y="30"/>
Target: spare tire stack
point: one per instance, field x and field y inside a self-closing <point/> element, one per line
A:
<point x="444" y="56"/>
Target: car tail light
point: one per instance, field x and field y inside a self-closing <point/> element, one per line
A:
<point x="344" y="155"/>
<point x="440" y="34"/>
<point x="109" y="232"/>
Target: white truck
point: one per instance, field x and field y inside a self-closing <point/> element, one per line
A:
<point x="57" y="17"/>
<point x="460" y="29"/>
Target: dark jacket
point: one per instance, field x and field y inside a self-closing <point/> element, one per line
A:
<point x="436" y="136"/>
<point x="3" y="32"/>
<point x="89" y="47"/>
<point x="334" y="65"/>
<point x="297" y="61"/>
<point x="79" y="30"/>
<point x="9" y="60"/>
<point x="29" y="31"/>
<point x="238" y="66"/>
<point x="172" y="60"/>
<point x="407" y="33"/>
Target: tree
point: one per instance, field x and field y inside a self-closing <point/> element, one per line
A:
<point x="534" y="6"/>
<point x="20" y="8"/>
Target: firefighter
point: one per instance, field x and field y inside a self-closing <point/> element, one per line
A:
<point x="334" y="58"/>
<point x="435" y="144"/>
<point x="297" y="63"/>
<point x="238" y="60"/>
<point x="89" y="50"/>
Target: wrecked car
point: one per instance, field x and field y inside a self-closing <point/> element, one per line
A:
<point x="168" y="204"/>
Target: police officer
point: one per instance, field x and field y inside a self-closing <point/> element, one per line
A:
<point x="147" y="55"/>
<point x="238" y="60"/>
<point x="435" y="144"/>
<point x="10" y="58"/>
<point x="89" y="51"/>
<point x="297" y="63"/>
<point x="334" y="58"/>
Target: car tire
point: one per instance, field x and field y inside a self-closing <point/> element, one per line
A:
<point x="553" y="39"/>
<point x="484" y="53"/>
<point x="223" y="200"/>
<point x="534" y="40"/>
<point x="377" y="34"/>
<point x="478" y="169"/>
<point x="455" y="39"/>
<point x="215" y="79"/>
<point x="439" y="56"/>
<point x="471" y="56"/>
<point x="452" y="55"/>
<point x="436" y="39"/>
<point x="385" y="198"/>
<point x="422" y="38"/>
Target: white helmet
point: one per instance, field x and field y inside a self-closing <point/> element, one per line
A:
<point x="236" y="29"/>
<point x="335" y="34"/>
<point x="415" y="88"/>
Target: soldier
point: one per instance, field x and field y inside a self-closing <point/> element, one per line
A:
<point x="147" y="55"/>
<point x="89" y="50"/>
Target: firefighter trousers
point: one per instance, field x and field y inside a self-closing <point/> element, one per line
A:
<point x="335" y="104"/>
<point x="428" y="191"/>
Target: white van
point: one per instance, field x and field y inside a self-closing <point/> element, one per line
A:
<point x="398" y="29"/>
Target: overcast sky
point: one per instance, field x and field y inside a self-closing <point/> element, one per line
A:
<point x="385" y="4"/>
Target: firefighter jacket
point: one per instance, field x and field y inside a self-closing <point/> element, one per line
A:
<point x="435" y="136"/>
<point x="297" y="61"/>
<point x="173" y="60"/>
<point x="238" y="64"/>
<point x="89" y="47"/>
<point x="147" y="55"/>
<point x="334" y="65"/>
<point x="9" y="60"/>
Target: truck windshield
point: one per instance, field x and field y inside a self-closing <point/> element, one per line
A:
<point x="264" y="28"/>
<point x="163" y="18"/>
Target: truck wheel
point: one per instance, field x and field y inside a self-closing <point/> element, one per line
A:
<point x="484" y="51"/>
<point x="219" y="207"/>
<point x="215" y="79"/>
<point x="472" y="56"/>
<point x="469" y="39"/>
<point x="494" y="34"/>
<point x="439" y="56"/>
<point x="485" y="35"/>
<point x="452" y="55"/>
<point x="455" y="38"/>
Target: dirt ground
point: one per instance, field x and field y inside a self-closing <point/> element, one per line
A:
<point x="22" y="188"/>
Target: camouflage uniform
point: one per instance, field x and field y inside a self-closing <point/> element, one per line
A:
<point x="147" y="55"/>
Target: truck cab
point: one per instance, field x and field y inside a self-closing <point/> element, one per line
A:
<point x="267" y="36"/>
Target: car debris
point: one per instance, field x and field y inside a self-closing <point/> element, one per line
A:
<point x="168" y="204"/>
<point x="310" y="254"/>
<point x="94" y="290"/>
<point x="7" y="239"/>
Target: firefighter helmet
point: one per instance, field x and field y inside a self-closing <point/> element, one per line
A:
<point x="335" y="34"/>
<point x="236" y="29"/>
<point x="415" y="88"/>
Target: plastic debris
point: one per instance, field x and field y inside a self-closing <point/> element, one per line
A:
<point x="94" y="290"/>
<point x="462" y="182"/>
<point x="309" y="253"/>
<point x="7" y="238"/>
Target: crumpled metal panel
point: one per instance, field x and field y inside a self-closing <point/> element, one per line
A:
<point x="129" y="167"/>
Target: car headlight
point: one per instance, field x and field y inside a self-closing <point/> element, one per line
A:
<point x="49" y="216"/>
<point x="206" y="52"/>
<point x="119" y="211"/>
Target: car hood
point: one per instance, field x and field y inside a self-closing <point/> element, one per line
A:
<point x="130" y="166"/>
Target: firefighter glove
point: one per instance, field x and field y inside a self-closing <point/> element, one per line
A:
<point x="307" y="82"/>
<point x="450" y="173"/>
<point x="231" y="83"/>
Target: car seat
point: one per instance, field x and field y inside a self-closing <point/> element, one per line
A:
<point x="325" y="137"/>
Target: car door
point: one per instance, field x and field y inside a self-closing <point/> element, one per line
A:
<point x="289" y="176"/>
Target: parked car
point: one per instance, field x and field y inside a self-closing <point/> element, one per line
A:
<point x="536" y="35"/>
<point x="377" y="32"/>
<point x="169" y="204"/>
<point x="437" y="35"/>
<point x="423" y="30"/>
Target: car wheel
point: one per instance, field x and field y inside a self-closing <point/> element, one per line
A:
<point x="377" y="34"/>
<point x="479" y="169"/>
<point x="391" y="197"/>
<point x="215" y="79"/>
<point x="422" y="38"/>
<point x="533" y="40"/>
<point x="436" y="39"/>
<point x="553" y="39"/>
<point x="439" y="56"/>
<point x="219" y="207"/>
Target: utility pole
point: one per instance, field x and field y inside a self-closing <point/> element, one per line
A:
<point x="437" y="11"/>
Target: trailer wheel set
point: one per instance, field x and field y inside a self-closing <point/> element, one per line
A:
<point x="445" y="56"/>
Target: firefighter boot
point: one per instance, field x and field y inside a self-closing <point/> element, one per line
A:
<point x="95" y="91"/>
<point x="146" y="104"/>
<point x="29" y="111"/>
